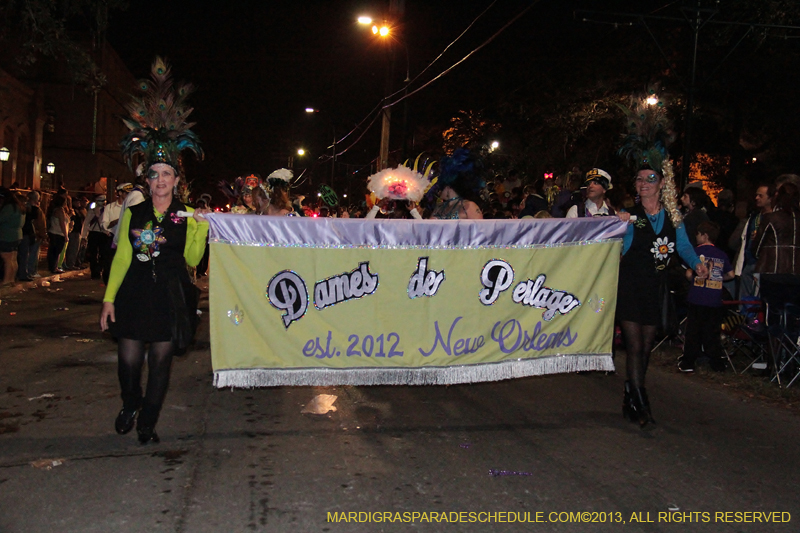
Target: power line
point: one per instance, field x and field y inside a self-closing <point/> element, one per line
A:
<point x="381" y="106"/>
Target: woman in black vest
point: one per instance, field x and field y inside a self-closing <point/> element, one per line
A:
<point x="149" y="298"/>
<point x="146" y="296"/>
<point x="652" y="241"/>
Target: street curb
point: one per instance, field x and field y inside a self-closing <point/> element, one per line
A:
<point x="20" y="286"/>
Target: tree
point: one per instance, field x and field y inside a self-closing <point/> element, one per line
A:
<point x="467" y="128"/>
<point x="36" y="29"/>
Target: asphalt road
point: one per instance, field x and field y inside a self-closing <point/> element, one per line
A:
<point x="249" y="460"/>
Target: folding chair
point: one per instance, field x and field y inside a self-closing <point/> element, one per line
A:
<point x="744" y="333"/>
<point x="787" y="356"/>
<point x="781" y="296"/>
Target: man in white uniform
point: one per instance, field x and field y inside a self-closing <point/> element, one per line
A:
<point x="597" y="182"/>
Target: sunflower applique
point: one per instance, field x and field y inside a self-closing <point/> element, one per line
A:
<point x="662" y="248"/>
<point x="148" y="240"/>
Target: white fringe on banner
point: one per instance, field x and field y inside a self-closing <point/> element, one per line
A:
<point x="247" y="378"/>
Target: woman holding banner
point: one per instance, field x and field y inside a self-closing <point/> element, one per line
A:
<point x="150" y="298"/>
<point x="655" y="236"/>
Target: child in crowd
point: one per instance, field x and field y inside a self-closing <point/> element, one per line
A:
<point x="705" y="310"/>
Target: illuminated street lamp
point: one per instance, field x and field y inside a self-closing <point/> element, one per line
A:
<point x="5" y="153"/>
<point x="385" y="30"/>
<point x="301" y="152"/>
<point x="364" y="20"/>
<point x="51" y="168"/>
<point x="494" y="146"/>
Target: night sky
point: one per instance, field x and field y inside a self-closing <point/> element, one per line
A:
<point x="258" y="64"/>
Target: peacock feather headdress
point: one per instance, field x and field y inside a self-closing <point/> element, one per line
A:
<point x="158" y="125"/>
<point x="649" y="131"/>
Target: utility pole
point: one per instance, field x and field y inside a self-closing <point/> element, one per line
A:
<point x="396" y="10"/>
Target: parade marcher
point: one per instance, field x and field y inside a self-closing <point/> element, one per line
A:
<point x="398" y="191"/>
<point x="150" y="298"/>
<point x="651" y="242"/>
<point x="279" y="203"/>
<point x="34" y="231"/>
<point x="457" y="185"/>
<point x="595" y="204"/>
<point x="240" y="192"/>
<point x="12" y="218"/>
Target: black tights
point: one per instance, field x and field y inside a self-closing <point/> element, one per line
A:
<point x="131" y="360"/>
<point x="639" y="341"/>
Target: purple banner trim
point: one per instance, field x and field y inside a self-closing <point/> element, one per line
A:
<point x="254" y="230"/>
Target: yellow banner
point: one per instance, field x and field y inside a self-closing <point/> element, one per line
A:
<point x="409" y="313"/>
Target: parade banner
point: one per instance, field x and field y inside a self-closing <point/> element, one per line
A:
<point x="321" y="301"/>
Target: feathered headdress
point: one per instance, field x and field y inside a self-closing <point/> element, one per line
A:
<point x="460" y="163"/>
<point x="232" y="190"/>
<point x="241" y="185"/>
<point x="399" y="183"/>
<point x="463" y="171"/>
<point x="158" y="127"/>
<point x="649" y="131"/>
<point x="280" y="178"/>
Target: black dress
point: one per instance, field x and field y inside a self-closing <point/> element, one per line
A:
<point x="643" y="269"/>
<point x="145" y="306"/>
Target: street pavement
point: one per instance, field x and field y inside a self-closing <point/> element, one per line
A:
<point x="249" y="460"/>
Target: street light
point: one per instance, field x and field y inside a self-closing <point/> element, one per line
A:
<point x="494" y="146"/>
<point x="364" y="20"/>
<point x="5" y="153"/>
<point x="384" y="31"/>
<point x="301" y="152"/>
<point x="51" y="168"/>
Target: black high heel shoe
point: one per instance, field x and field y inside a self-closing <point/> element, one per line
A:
<point x="646" y="417"/>
<point x="147" y="435"/>
<point x="630" y="409"/>
<point x="124" y="422"/>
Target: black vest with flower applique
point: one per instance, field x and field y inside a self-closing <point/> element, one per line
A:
<point x="649" y="254"/>
<point x="158" y="246"/>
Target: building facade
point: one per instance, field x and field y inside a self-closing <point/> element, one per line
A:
<point x="46" y="118"/>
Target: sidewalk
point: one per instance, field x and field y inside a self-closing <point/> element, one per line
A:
<point x="45" y="280"/>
